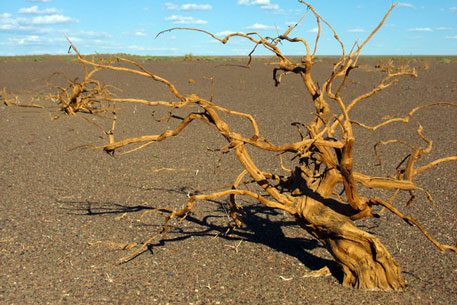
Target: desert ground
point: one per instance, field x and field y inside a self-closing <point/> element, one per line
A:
<point x="60" y="208"/>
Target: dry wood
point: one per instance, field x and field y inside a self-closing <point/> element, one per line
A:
<point x="86" y="95"/>
<point x="9" y="102"/>
<point x="325" y="165"/>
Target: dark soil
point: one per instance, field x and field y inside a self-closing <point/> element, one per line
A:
<point x="55" y="202"/>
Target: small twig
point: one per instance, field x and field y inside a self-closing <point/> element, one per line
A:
<point x="169" y="169"/>
<point x="234" y="247"/>
<point x="121" y="246"/>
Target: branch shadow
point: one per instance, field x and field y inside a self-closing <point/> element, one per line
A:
<point x="261" y="225"/>
<point x="93" y="208"/>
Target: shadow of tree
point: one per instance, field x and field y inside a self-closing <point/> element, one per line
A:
<point x="261" y="225"/>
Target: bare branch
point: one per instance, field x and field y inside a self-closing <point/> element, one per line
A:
<point x="404" y="119"/>
<point x="412" y="221"/>
<point x="323" y="156"/>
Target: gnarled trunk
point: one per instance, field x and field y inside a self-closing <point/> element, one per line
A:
<point x="365" y="262"/>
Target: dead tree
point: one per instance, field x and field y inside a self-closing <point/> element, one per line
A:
<point x="86" y="95"/>
<point x="325" y="154"/>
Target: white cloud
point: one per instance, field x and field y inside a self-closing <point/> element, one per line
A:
<point x="35" y="10"/>
<point x="27" y="40"/>
<point x="171" y="6"/>
<point x="258" y="26"/>
<point x="188" y="7"/>
<point x="5" y="27"/>
<point x="357" y="30"/>
<point x="224" y="33"/>
<point x="140" y="33"/>
<point x="26" y="28"/>
<point x="270" y="7"/>
<point x="177" y="19"/>
<point x="39" y="0"/>
<point x="313" y="30"/>
<point x="442" y="28"/>
<point x="420" y="30"/>
<point x="92" y="34"/>
<point x="260" y="2"/>
<point x="49" y="19"/>
<point x="7" y="23"/>
<point x="453" y="9"/>
<point x="404" y="4"/>
<point x="63" y="39"/>
<point x="264" y="4"/>
<point x="196" y="7"/>
<point x="451" y="37"/>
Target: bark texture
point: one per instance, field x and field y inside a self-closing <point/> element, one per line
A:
<point x="365" y="262"/>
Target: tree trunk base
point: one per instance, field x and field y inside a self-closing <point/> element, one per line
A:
<point x="365" y="262"/>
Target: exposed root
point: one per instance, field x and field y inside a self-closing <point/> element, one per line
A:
<point x="324" y="271"/>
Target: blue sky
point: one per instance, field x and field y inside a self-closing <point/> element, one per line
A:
<point x="130" y="26"/>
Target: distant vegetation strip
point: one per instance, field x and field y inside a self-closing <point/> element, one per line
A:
<point x="445" y="59"/>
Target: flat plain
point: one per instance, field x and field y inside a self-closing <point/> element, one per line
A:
<point x="60" y="208"/>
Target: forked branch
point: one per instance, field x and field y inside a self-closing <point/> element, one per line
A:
<point x="323" y="156"/>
